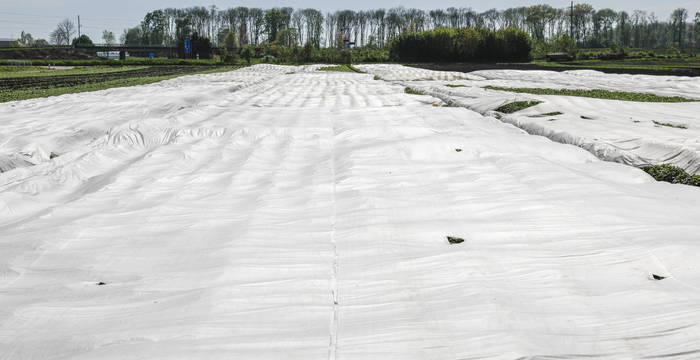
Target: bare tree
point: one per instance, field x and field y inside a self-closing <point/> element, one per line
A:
<point x="108" y="37"/>
<point x="697" y="29"/>
<point x="63" y="33"/>
<point x="678" y="19"/>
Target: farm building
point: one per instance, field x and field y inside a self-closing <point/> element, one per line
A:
<point x="7" y="42"/>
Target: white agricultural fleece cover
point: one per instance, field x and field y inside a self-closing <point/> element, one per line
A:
<point x="621" y="131"/>
<point x="258" y="214"/>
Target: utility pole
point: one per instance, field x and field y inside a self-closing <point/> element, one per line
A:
<point x="78" y="26"/>
<point x="571" y="22"/>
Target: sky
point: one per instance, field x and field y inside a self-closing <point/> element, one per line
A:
<point x="39" y="17"/>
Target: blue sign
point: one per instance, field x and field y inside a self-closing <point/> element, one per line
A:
<point x="187" y="46"/>
<point x="151" y="55"/>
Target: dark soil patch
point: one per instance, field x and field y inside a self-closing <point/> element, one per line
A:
<point x="45" y="82"/>
<point x="454" y="240"/>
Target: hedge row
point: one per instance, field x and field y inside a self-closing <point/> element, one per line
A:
<point x="461" y="45"/>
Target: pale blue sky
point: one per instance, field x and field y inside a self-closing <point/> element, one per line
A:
<point x="39" y="17"/>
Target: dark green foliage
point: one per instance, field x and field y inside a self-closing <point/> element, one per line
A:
<point x="83" y="40"/>
<point x="410" y="91"/>
<point x="597" y="94"/>
<point x="516" y="106"/>
<point x="308" y="51"/>
<point x="341" y="68"/>
<point x="455" y="86"/>
<point x="454" y="240"/>
<point x="561" y="43"/>
<point x="247" y="53"/>
<point x="672" y="174"/>
<point x="670" y="125"/>
<point x="461" y="45"/>
<point x="553" y="113"/>
<point x="275" y="21"/>
<point x="307" y="54"/>
<point x="199" y="45"/>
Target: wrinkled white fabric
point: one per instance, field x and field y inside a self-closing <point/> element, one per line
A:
<point x="285" y="213"/>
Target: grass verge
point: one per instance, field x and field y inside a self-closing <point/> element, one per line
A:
<point x="24" y="94"/>
<point x="652" y="64"/>
<point x="517" y="106"/>
<point x="134" y="61"/>
<point x="341" y="68"/>
<point x="597" y="94"/>
<point x="672" y="174"/>
<point x="670" y="125"/>
<point x="82" y="70"/>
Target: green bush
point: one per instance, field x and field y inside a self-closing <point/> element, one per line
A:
<point x="597" y="94"/>
<point x="461" y="45"/>
<point x="672" y="174"/>
<point x="516" y="106"/>
<point x="307" y="54"/>
<point x="83" y="40"/>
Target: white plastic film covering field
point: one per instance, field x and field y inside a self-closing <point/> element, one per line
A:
<point x="633" y="133"/>
<point x="286" y="213"/>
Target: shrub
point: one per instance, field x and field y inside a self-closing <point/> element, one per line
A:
<point x="516" y="106"/>
<point x="461" y="45"/>
<point x="410" y="91"/>
<point x="83" y="40"/>
<point x="672" y="174"/>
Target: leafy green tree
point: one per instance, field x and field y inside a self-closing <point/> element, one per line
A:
<point x="231" y="41"/>
<point x="83" y="40"/>
<point x="287" y="37"/>
<point x="275" y="21"/>
<point x="308" y="51"/>
<point x="183" y="28"/>
<point x="697" y="30"/>
<point x="247" y="53"/>
<point x="563" y="43"/>
<point x="132" y="36"/>
<point x="154" y="27"/>
<point x="582" y="18"/>
<point x="678" y="18"/>
<point x="200" y="46"/>
<point x="230" y="47"/>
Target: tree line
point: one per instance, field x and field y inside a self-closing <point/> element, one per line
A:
<point x="461" y="45"/>
<point x="589" y="28"/>
<point x="285" y="26"/>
